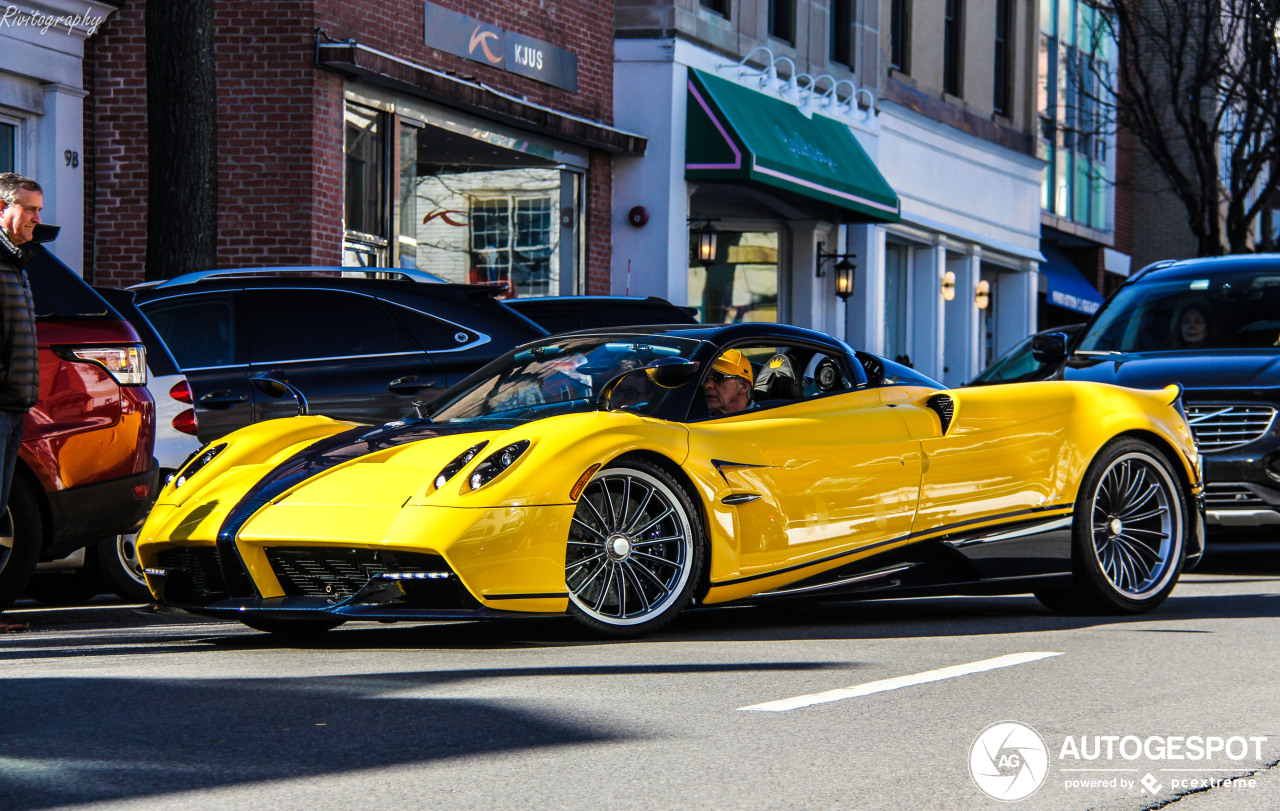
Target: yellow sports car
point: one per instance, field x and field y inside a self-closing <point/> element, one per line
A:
<point x="620" y="476"/>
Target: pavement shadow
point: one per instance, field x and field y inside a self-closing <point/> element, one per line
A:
<point x="69" y="741"/>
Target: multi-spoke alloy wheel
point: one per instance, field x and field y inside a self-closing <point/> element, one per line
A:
<point x="634" y="550"/>
<point x="1136" y="524"/>
<point x="1130" y="533"/>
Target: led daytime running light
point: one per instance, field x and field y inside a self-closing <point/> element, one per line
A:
<point x="201" y="459"/>
<point x="450" y="470"/>
<point x="495" y="463"/>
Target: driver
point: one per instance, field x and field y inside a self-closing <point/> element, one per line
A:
<point x="728" y="387"/>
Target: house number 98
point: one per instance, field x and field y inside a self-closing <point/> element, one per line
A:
<point x="73" y="158"/>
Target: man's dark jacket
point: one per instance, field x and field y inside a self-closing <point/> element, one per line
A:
<point x="19" y="364"/>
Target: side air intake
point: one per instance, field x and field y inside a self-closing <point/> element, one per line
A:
<point x="942" y="404"/>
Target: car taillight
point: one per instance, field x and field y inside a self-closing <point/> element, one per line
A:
<point x="127" y="364"/>
<point x="185" y="421"/>
<point x="181" y="392"/>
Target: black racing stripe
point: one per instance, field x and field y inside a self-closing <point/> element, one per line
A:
<point x="1005" y="518"/>
<point x="524" y="596"/>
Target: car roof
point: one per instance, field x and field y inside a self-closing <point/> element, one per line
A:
<point x="719" y="333"/>
<point x="1180" y="268"/>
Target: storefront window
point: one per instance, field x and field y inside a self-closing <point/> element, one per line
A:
<point x="742" y="285"/>
<point x="896" y="301"/>
<point x="364" y="243"/>
<point x="471" y="212"/>
<point x="7" y="135"/>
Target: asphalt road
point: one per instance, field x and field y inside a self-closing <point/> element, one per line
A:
<point x="107" y="706"/>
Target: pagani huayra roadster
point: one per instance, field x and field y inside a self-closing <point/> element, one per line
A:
<point x="620" y="476"/>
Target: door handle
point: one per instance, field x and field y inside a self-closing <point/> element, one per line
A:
<point x="410" y="384"/>
<point x="222" y="399"/>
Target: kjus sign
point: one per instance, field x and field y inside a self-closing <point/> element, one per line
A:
<point x="488" y="44"/>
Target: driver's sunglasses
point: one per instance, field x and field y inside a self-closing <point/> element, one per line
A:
<point x="719" y="377"/>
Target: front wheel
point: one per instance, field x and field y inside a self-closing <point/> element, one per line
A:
<point x="1130" y="533"/>
<point x="20" y="538"/>
<point x="635" y="550"/>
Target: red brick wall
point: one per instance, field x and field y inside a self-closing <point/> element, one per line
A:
<point x="280" y="124"/>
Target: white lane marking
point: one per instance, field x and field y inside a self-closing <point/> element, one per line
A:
<point x="782" y="705"/>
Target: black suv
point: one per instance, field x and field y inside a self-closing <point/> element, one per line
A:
<point x="361" y="349"/>
<point x="1212" y="325"/>
<point x="568" y="313"/>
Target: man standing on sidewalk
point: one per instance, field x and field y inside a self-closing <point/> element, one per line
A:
<point x="22" y="200"/>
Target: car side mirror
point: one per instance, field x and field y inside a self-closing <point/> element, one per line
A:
<point x="1049" y="348"/>
<point x="276" y="384"/>
<point x="670" y="373"/>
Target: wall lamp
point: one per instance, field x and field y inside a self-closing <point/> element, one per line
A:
<point x="982" y="294"/>
<point x="844" y="269"/>
<point x="948" y="285"/>
<point x="708" y="237"/>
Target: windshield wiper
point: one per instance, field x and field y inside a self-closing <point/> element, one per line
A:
<point x="1097" y="352"/>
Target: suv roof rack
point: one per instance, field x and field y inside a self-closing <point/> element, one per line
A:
<point x="364" y="272"/>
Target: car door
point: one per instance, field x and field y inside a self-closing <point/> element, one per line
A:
<point x="341" y="348"/>
<point x="829" y="472"/>
<point x="205" y="335"/>
<point x="455" y="350"/>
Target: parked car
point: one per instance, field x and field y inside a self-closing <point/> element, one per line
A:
<point x="362" y="349"/>
<point x="1212" y="326"/>
<point x="1019" y="365"/>
<point x="569" y="313"/>
<point x="175" y="441"/>
<point x="586" y="475"/>
<point x="85" y="467"/>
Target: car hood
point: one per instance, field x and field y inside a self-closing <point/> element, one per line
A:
<point x="1240" y="370"/>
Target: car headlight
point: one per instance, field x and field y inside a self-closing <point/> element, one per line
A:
<point x="202" y="458"/>
<point x="450" y="470"/>
<point x="127" y="364"/>
<point x="495" y="463"/>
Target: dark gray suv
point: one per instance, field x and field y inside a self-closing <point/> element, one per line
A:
<point x="361" y="349"/>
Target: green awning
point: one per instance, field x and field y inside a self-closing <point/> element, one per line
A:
<point x="735" y="133"/>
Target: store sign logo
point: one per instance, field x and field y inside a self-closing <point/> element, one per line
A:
<point x="480" y="38"/>
<point x="473" y="39"/>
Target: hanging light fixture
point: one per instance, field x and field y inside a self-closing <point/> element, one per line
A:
<point x="705" y="249"/>
<point x="844" y="278"/>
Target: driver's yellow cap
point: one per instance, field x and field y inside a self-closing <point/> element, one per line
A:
<point x="734" y="364"/>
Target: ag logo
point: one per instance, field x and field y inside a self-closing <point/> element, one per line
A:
<point x="1009" y="760"/>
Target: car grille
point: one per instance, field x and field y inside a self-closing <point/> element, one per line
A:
<point x="200" y="565"/>
<point x="1230" y="495"/>
<point x="336" y="572"/>
<point x="1225" y="426"/>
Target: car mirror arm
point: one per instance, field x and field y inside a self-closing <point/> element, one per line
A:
<point x="275" y="384"/>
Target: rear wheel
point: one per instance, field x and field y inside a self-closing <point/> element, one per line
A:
<point x="292" y="627"/>
<point x="118" y="562"/>
<point x="1130" y="534"/>
<point x="20" y="537"/>
<point x="635" y="550"/>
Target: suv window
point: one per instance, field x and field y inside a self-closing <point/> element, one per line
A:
<point x="59" y="293"/>
<point x="432" y="334"/>
<point x="310" y="324"/>
<point x="200" y="330"/>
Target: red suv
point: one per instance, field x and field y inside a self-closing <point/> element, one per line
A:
<point x="85" y="468"/>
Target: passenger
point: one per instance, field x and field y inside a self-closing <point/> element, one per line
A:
<point x="728" y="387"/>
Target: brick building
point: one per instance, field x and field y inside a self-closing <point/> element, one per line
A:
<point x="472" y="142"/>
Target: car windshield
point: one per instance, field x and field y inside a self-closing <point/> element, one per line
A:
<point x="565" y="376"/>
<point x="1238" y="310"/>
